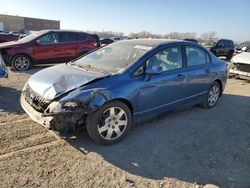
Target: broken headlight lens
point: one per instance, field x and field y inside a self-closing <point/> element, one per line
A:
<point x="71" y="105"/>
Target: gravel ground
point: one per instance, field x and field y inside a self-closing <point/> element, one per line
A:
<point x="189" y="148"/>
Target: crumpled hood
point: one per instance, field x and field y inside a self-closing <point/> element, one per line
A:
<point x="243" y="57"/>
<point x="56" y="80"/>
<point x="9" y="44"/>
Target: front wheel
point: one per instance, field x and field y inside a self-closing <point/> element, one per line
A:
<point x="212" y="95"/>
<point x="110" y="124"/>
<point x="21" y="62"/>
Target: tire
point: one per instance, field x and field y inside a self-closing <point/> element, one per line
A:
<point x="105" y="127"/>
<point x="213" y="95"/>
<point x="229" y="55"/>
<point x="21" y="62"/>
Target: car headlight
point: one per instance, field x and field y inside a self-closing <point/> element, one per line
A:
<point x="54" y="107"/>
<point x="71" y="105"/>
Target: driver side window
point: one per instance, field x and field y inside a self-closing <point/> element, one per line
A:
<point x="50" y="38"/>
<point x="221" y="43"/>
<point x="167" y="59"/>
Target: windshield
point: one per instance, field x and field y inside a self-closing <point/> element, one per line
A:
<point x="31" y="37"/>
<point x="114" y="57"/>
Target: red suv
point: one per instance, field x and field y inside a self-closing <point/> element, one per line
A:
<point x="53" y="46"/>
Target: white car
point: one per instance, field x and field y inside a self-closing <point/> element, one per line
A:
<point x="241" y="65"/>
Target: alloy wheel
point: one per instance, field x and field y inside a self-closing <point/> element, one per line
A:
<point x="22" y="63"/>
<point x="113" y="123"/>
<point x="213" y="95"/>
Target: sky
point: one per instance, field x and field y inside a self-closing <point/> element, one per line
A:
<point x="229" y="18"/>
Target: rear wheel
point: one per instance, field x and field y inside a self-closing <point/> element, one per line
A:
<point x="21" y="62"/>
<point x="212" y="95"/>
<point x="110" y="124"/>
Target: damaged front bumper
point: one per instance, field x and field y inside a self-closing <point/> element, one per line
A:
<point x="239" y="74"/>
<point x="38" y="117"/>
<point x="60" y="121"/>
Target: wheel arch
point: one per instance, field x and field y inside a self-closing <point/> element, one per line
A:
<point x="220" y="84"/>
<point x="125" y="101"/>
<point x="14" y="55"/>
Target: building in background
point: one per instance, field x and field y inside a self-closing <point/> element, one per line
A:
<point x="18" y="23"/>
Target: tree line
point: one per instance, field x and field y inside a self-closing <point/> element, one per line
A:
<point x="212" y="35"/>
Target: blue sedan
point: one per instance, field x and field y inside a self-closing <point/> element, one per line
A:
<point x="125" y="82"/>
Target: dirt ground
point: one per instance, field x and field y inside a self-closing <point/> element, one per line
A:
<point x="189" y="148"/>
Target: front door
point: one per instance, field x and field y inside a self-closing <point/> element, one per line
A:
<point x="166" y="90"/>
<point x="45" y="49"/>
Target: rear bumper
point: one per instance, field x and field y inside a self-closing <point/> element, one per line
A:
<point x="240" y="74"/>
<point x="46" y="121"/>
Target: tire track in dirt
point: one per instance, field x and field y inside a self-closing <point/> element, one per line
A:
<point x="21" y="134"/>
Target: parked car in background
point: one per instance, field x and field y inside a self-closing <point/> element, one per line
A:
<point x="224" y="47"/>
<point x="106" y="41"/>
<point x="242" y="47"/>
<point x="6" y="37"/>
<point x="116" y="38"/>
<point x="97" y="40"/>
<point x="46" y="46"/>
<point x="3" y="68"/>
<point x="241" y="65"/>
<point x="125" y="82"/>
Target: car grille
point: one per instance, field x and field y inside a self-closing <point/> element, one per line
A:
<point x="243" y="67"/>
<point x="35" y="100"/>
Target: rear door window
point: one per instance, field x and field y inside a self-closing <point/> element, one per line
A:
<point x="72" y="37"/>
<point x="196" y="56"/>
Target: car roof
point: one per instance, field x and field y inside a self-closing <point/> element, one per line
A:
<point x="226" y="39"/>
<point x="62" y="30"/>
<point x="154" y="42"/>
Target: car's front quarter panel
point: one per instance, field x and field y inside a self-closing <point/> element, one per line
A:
<point x="94" y="95"/>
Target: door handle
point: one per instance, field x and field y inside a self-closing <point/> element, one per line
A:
<point x="207" y="70"/>
<point x="180" y="77"/>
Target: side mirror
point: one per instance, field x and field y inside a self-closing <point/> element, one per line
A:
<point x="244" y="49"/>
<point x="38" y="41"/>
<point x="153" y="70"/>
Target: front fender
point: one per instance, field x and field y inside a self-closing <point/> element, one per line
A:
<point x="91" y="100"/>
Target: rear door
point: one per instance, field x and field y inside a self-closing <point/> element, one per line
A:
<point x="72" y="44"/>
<point x="68" y="45"/>
<point x="199" y="71"/>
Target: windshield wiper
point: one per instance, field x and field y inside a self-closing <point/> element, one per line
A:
<point x="98" y="69"/>
<point x="88" y="67"/>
